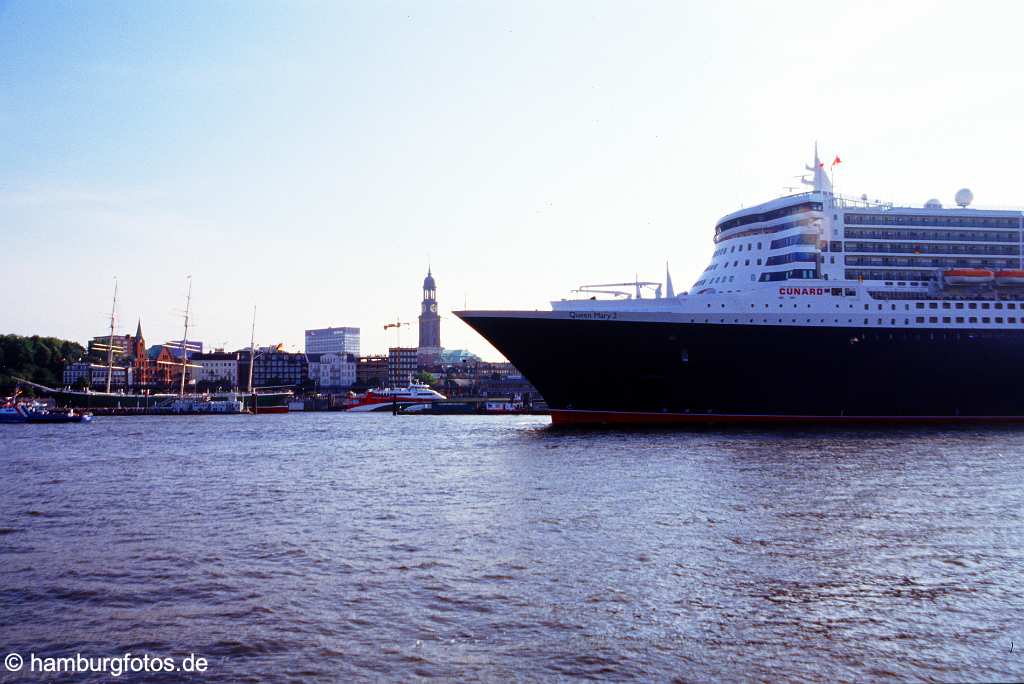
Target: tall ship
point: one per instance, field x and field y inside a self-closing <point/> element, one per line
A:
<point x="815" y="307"/>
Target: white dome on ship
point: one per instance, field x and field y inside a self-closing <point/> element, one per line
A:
<point x="964" y="197"/>
<point x="933" y="204"/>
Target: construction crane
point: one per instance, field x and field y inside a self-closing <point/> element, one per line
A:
<point x="397" y="325"/>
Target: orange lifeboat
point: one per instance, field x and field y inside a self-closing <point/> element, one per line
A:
<point x="1010" y="277"/>
<point x="968" y="276"/>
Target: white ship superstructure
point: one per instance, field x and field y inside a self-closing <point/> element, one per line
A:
<point x="817" y="258"/>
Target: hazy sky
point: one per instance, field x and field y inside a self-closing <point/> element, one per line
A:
<point x="310" y="158"/>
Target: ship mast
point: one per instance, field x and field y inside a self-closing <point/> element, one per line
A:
<point x="110" y="340"/>
<point x="252" y="350"/>
<point x="184" y="339"/>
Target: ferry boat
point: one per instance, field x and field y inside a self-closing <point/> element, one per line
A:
<point x="387" y="398"/>
<point x="815" y="307"/>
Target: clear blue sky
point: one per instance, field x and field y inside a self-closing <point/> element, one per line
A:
<point x="311" y="157"/>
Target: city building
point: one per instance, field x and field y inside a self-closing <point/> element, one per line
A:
<point x="76" y="370"/>
<point x="122" y="344"/>
<point x="191" y="346"/>
<point x="450" y="357"/>
<point x="332" y="340"/>
<point x="164" y="369"/>
<point x="430" y="324"/>
<point x="121" y="377"/>
<point x="217" y="368"/>
<point x="372" y="371"/>
<point x="402" y="365"/>
<point x="332" y="370"/>
<point x="274" y="367"/>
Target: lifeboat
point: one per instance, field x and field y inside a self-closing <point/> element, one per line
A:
<point x="1010" y="277"/>
<point x="968" y="276"/>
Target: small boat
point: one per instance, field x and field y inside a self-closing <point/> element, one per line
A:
<point x="383" y="399"/>
<point x="14" y="411"/>
<point x="968" y="276"/>
<point x="1010" y="277"/>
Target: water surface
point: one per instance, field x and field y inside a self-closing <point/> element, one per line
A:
<point x="330" y="547"/>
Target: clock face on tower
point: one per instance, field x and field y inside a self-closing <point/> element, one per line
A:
<point x="433" y="308"/>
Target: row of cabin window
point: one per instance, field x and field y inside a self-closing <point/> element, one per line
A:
<point x="970" y="221"/>
<point x="970" y="305"/>
<point x="768" y="215"/>
<point x="970" y="319"/>
<point x="906" y="322"/>
<point x="800" y="239"/>
<point x="724" y="250"/>
<point x="766" y="230"/>
<point x="930" y="262"/>
<point x="795" y="274"/>
<point x="948" y="235"/>
<point x="791" y="257"/>
<point x="892" y="321"/>
<point x="913" y="248"/>
<point x="912" y="277"/>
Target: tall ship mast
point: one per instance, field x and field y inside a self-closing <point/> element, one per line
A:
<point x="110" y="346"/>
<point x="815" y="307"/>
<point x="183" y="346"/>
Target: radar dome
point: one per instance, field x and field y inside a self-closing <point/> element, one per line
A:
<point x="933" y="204"/>
<point x="964" y="197"/>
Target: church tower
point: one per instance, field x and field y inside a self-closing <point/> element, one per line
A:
<point x="430" y="323"/>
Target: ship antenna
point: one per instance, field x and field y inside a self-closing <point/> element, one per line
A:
<point x="669" y="290"/>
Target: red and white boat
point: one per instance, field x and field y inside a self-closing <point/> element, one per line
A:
<point x="385" y="399"/>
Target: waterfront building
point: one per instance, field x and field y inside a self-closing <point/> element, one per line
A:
<point x="274" y="367"/>
<point x="123" y="345"/>
<point x="372" y="371"/>
<point x="217" y="368"/>
<point x="164" y="368"/>
<point x="333" y="340"/>
<point x="402" y="365"/>
<point x="191" y="347"/>
<point x="332" y="370"/>
<point x="429" y="348"/>
<point x="75" y="371"/>
<point x="121" y="377"/>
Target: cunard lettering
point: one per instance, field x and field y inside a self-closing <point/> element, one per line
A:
<point x="801" y="290"/>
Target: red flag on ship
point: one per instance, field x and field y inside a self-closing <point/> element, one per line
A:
<point x="837" y="160"/>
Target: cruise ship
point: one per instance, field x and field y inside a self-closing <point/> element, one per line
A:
<point x="815" y="308"/>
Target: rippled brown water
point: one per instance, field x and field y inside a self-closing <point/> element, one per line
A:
<point x="329" y="547"/>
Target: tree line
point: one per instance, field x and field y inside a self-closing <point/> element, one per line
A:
<point x="35" y="358"/>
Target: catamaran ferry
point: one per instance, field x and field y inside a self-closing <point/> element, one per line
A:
<point x="815" y="308"/>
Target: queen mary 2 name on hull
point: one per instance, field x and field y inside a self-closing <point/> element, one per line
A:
<point x="815" y="308"/>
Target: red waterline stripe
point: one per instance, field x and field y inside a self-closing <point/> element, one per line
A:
<point x="580" y="417"/>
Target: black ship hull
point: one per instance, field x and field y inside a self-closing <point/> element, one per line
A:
<point x="617" y="371"/>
